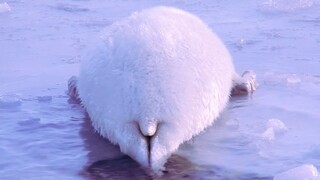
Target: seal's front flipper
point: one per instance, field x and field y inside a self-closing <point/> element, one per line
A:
<point x="244" y="84"/>
<point x="72" y="89"/>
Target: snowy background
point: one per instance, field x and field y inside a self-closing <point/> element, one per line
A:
<point x="43" y="136"/>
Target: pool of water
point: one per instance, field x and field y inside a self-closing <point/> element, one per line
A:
<point x="44" y="135"/>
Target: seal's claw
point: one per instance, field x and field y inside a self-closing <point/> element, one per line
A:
<point x="245" y="84"/>
<point x="72" y="88"/>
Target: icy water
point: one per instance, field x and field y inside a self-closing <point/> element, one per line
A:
<point x="45" y="136"/>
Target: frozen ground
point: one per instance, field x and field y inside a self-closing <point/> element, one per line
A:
<point x="42" y="136"/>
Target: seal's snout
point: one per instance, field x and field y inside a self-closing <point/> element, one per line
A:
<point x="148" y="130"/>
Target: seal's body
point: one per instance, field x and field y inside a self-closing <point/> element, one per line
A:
<point x="154" y="80"/>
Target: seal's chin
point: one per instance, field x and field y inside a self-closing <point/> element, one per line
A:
<point x="148" y="153"/>
<point x="159" y="156"/>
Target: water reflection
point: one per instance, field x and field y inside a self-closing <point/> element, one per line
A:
<point x="119" y="168"/>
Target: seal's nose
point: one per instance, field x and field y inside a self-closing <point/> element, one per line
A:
<point x="148" y="128"/>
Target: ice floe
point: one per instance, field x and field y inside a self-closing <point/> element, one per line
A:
<point x="275" y="127"/>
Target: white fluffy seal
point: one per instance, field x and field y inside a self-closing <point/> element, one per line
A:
<point x="156" y="79"/>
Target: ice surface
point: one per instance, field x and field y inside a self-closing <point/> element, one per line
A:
<point x="44" y="98"/>
<point x="4" y="7"/>
<point x="304" y="172"/>
<point x="41" y="47"/>
<point x="288" y="79"/>
<point x="288" y="5"/>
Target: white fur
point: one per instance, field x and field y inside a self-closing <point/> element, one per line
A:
<point x="162" y="69"/>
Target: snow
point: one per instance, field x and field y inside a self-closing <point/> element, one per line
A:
<point x="304" y="172"/>
<point x="42" y="44"/>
